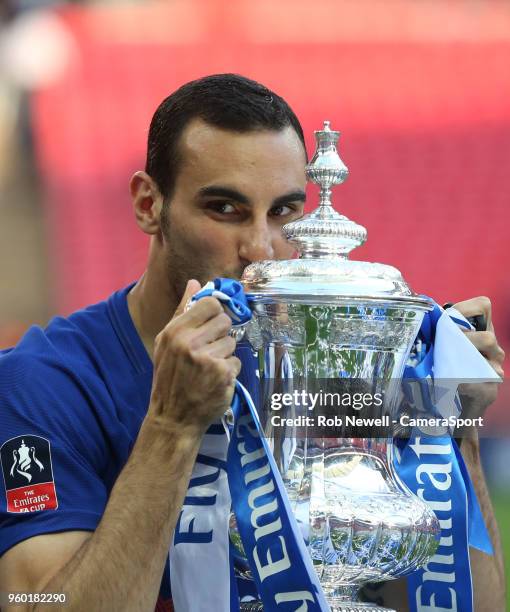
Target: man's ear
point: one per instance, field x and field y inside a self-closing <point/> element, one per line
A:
<point x="147" y="202"/>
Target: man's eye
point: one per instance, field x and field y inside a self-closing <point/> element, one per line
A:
<point x="224" y="208"/>
<point x="281" y="211"/>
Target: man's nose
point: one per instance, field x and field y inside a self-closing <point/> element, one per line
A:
<point x="256" y="243"/>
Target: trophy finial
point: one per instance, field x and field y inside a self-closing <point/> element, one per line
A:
<point x="324" y="232"/>
<point x="326" y="168"/>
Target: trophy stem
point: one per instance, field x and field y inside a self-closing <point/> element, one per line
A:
<point x="336" y="604"/>
<point x="325" y="197"/>
<point x="344" y="598"/>
<point x="339" y="605"/>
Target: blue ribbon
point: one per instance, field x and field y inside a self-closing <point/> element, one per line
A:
<point x="433" y="468"/>
<point x="280" y="564"/>
<point x="232" y="297"/>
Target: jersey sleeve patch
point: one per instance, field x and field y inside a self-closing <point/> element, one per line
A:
<point x="28" y="474"/>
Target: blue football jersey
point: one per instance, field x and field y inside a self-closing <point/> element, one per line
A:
<point x="72" y="399"/>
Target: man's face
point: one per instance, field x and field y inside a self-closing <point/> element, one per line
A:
<point x="233" y="194"/>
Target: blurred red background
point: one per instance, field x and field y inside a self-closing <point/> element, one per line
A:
<point x="420" y="92"/>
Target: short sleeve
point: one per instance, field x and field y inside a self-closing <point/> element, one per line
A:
<point x="51" y="449"/>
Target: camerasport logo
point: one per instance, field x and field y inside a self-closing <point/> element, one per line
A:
<point x="28" y="474"/>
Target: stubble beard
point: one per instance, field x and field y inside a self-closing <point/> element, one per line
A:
<point x="182" y="265"/>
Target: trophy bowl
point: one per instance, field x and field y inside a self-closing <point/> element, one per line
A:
<point x="327" y="330"/>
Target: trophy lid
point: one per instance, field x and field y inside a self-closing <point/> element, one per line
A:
<point x="323" y="239"/>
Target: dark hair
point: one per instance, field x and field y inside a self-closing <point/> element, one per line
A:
<point x="227" y="101"/>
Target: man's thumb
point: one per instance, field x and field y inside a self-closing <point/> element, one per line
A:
<point x="192" y="287"/>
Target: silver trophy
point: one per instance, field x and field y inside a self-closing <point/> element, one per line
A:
<point x="324" y="324"/>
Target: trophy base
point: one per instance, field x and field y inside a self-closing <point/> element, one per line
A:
<point x="336" y="605"/>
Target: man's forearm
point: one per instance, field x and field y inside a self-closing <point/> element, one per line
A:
<point x="121" y="565"/>
<point x="488" y="572"/>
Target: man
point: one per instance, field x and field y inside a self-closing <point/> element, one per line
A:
<point x="113" y="396"/>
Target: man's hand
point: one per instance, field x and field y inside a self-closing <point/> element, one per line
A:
<point x="475" y="397"/>
<point x="487" y="571"/>
<point x="118" y="567"/>
<point x="194" y="366"/>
